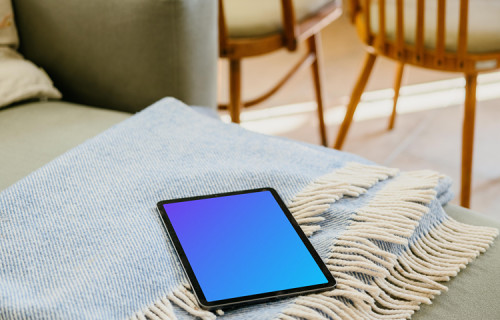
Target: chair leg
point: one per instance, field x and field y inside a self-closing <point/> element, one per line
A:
<point x="468" y="138"/>
<point x="355" y="97"/>
<point x="235" y="89"/>
<point x="397" y="86"/>
<point x="314" y="43"/>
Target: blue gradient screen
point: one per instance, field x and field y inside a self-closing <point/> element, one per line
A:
<point x="242" y="245"/>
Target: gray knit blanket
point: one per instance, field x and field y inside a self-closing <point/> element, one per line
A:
<point x="81" y="237"/>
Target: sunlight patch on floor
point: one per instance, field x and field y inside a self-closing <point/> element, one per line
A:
<point x="375" y="104"/>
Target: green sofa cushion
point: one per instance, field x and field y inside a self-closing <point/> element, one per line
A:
<point x="33" y="134"/>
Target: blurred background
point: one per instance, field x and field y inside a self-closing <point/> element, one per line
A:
<point x="428" y="129"/>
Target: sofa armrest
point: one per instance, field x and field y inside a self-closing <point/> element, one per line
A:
<point x="123" y="54"/>
<point x="474" y="293"/>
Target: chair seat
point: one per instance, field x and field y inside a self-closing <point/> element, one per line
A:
<point x="484" y="24"/>
<point x="258" y="18"/>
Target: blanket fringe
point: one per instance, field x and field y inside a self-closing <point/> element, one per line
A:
<point x="386" y="286"/>
<point x="161" y="310"/>
<point x="393" y="286"/>
<point x="352" y="180"/>
<point x="184" y="298"/>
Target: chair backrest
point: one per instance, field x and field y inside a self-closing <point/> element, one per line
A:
<point x="292" y="32"/>
<point x="245" y="47"/>
<point x="417" y="53"/>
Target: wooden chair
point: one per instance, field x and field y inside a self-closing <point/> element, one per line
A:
<point x="470" y="47"/>
<point x="242" y="41"/>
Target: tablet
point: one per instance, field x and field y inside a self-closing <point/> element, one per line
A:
<point x="242" y="247"/>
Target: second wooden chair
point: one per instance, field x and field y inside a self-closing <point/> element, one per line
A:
<point x="440" y="35"/>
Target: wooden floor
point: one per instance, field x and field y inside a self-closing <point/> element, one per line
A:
<point x="427" y="133"/>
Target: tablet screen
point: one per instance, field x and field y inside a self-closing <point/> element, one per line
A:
<point x="241" y="245"/>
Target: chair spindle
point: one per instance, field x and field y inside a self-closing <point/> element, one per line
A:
<point x="440" y="32"/>
<point x="366" y="4"/>
<point x="462" y="33"/>
<point x="381" y="26"/>
<point x="400" y="32"/>
<point x="419" y="36"/>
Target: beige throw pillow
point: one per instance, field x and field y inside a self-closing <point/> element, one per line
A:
<point x="20" y="79"/>
<point x="8" y="32"/>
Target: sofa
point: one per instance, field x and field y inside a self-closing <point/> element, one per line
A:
<point x="113" y="58"/>
<point x="109" y="59"/>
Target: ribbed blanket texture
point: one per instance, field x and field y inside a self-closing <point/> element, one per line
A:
<point x="81" y="237"/>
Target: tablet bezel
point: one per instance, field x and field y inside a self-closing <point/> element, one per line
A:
<point x="256" y="298"/>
